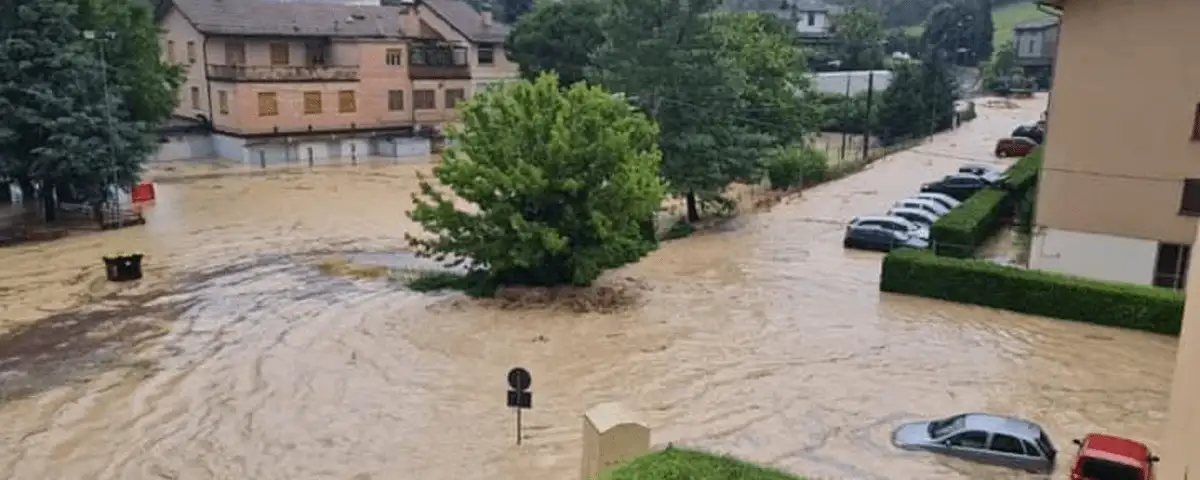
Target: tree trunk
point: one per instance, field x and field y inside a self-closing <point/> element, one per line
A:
<point x="27" y="191"/>
<point x="49" y="202"/>
<point x="693" y="213"/>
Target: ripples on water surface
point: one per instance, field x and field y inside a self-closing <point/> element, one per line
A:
<point x="236" y="359"/>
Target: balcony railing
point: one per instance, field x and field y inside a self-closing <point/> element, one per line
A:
<point x="432" y="62"/>
<point x="273" y="73"/>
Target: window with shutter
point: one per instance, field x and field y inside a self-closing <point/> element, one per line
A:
<point x="312" y="102"/>
<point x="346" y="103"/>
<point x="268" y="104"/>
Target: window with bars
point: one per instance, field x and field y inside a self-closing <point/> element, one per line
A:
<point x="346" y="102"/>
<point x="268" y="104"/>
<point x="486" y="55"/>
<point x="424" y="100"/>
<point x="191" y="52"/>
<point x="280" y="54"/>
<point x="223" y="102"/>
<point x="394" y="57"/>
<point x="195" y="98"/>
<point x="1171" y="266"/>
<point x="312" y="103"/>
<point x="235" y="53"/>
<point x="454" y="96"/>
<point x="395" y="100"/>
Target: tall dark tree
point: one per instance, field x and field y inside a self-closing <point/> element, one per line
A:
<point x="667" y="57"/>
<point x="919" y="101"/>
<point x="952" y="32"/>
<point x="510" y="11"/>
<point x="559" y="37"/>
<point x="858" y="40"/>
<point x="985" y="31"/>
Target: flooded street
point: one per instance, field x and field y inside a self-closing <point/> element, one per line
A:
<point x="235" y="358"/>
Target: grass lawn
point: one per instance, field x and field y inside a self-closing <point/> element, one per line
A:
<point x="1004" y="18"/>
<point x="683" y="464"/>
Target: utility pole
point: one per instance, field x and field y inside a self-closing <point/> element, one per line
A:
<point x="115" y="187"/>
<point x="842" y="156"/>
<point x="867" y="121"/>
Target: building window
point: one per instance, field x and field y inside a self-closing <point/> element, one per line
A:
<point x="235" y="53"/>
<point x="268" y="104"/>
<point x="223" y="102"/>
<point x="195" y="98"/>
<point x="1196" y="125"/>
<point x="1170" y="268"/>
<point x="171" y="53"/>
<point x="486" y="55"/>
<point x="395" y="57"/>
<point x="191" y="52"/>
<point x="424" y="100"/>
<point x="279" y="54"/>
<point x="454" y="96"/>
<point x="346" y="103"/>
<point x="312" y="102"/>
<point x="395" y="100"/>
<point x="812" y="19"/>
<point x="1189" y="200"/>
<point x="315" y="54"/>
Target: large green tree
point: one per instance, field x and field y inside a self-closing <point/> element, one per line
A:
<point x="858" y="40"/>
<point x="558" y="37"/>
<point x="959" y="33"/>
<point x="668" y="58"/>
<point x="777" y="88"/>
<point x="918" y="102"/>
<point x="81" y="96"/>
<point x="562" y="181"/>
<point x="510" y="11"/>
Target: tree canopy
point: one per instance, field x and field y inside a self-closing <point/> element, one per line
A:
<point x="558" y="37"/>
<point x="563" y="183"/>
<point x="919" y="101"/>
<point x="858" y="39"/>
<point x="510" y="11"/>
<point x="961" y="31"/>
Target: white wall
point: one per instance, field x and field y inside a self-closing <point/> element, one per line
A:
<point x="835" y="82"/>
<point x="820" y="22"/>
<point x="230" y="148"/>
<point x="187" y="146"/>
<point x="1103" y="257"/>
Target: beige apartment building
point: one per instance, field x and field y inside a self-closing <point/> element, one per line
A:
<point x="1120" y="189"/>
<point x="281" y="82"/>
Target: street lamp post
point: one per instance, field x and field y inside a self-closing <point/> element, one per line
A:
<point x="91" y="35"/>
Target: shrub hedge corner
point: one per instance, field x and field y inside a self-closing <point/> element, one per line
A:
<point x="960" y="232"/>
<point x="921" y="273"/>
<point x="1022" y="175"/>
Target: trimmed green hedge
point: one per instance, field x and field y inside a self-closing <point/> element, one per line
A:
<point x="961" y="232"/>
<point x="1036" y="292"/>
<point x="683" y="464"/>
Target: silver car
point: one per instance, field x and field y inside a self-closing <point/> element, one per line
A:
<point x="946" y="200"/>
<point x="983" y="438"/>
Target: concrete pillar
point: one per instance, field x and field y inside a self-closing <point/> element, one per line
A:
<point x="612" y="434"/>
<point x="1180" y="450"/>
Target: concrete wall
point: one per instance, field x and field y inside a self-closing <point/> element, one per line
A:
<point x="188" y="146"/>
<point x="1104" y="257"/>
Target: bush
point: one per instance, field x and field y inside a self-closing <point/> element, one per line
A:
<point x="1023" y="175"/>
<point x="790" y="166"/>
<point x="682" y="464"/>
<point x="964" y="229"/>
<point x="977" y="282"/>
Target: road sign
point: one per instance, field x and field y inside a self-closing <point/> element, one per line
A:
<point x="519" y="396"/>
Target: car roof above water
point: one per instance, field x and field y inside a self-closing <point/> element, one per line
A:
<point x="1016" y="427"/>
<point x="877" y="218"/>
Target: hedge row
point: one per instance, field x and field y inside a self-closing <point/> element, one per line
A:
<point x="961" y="232"/>
<point x="684" y="464"/>
<point x="1035" y="292"/>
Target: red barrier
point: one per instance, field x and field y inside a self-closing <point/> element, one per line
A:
<point x="142" y="193"/>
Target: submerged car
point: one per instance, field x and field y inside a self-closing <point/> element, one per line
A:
<point x="933" y="207"/>
<point x="946" y="200"/>
<point x="960" y="186"/>
<point x="1015" y="146"/>
<point x="1105" y="457"/>
<point x="875" y="237"/>
<point x="985" y="172"/>
<point x="892" y="223"/>
<point x="920" y="217"/>
<point x="984" y="438"/>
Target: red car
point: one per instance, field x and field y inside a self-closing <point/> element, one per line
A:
<point x="1015" y="146"/>
<point x="1105" y="457"/>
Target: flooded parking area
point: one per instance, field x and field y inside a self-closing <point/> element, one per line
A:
<point x="237" y="358"/>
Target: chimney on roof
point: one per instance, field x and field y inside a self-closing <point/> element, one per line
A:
<point x="485" y="15"/>
<point x="410" y="18"/>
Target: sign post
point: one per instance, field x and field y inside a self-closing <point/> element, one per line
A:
<point x="519" y="396"/>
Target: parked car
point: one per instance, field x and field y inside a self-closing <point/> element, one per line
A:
<point x="924" y="218"/>
<point x="1033" y="132"/>
<point x="875" y="237"/>
<point x="983" y="438"/>
<point x="960" y="186"/>
<point x="1105" y="457"/>
<point x="987" y="172"/>
<point x="892" y="223"/>
<point x="946" y="200"/>
<point x="1015" y="146"/>
<point x="930" y="206"/>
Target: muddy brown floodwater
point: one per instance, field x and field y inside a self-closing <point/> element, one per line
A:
<point x="236" y="359"/>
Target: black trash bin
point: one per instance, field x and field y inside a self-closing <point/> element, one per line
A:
<point x="123" y="268"/>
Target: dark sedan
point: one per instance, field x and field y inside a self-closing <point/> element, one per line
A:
<point x="960" y="186"/>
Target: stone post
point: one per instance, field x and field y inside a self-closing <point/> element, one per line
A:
<point x="612" y="434"/>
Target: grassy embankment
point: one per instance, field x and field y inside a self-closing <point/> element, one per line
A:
<point x="683" y="464"/>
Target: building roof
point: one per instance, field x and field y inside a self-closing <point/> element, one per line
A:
<point x="469" y="22"/>
<point x="260" y="17"/>
<point x="1038" y="24"/>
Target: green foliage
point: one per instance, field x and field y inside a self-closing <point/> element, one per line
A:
<point x="680" y="229"/>
<point x="1035" y="292"/>
<point x="960" y="31"/>
<point x="671" y="60"/>
<point x="903" y="42"/>
<point x="763" y="48"/>
<point x="858" y="36"/>
<point x="563" y="183"/>
<point x="960" y="232"/>
<point x="845" y="114"/>
<point x="919" y="101"/>
<point x="511" y="11"/>
<point x="1024" y="212"/>
<point x="558" y="37"/>
<point x="682" y="464"/>
<point x="1022" y="176"/>
<point x="791" y="166"/>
